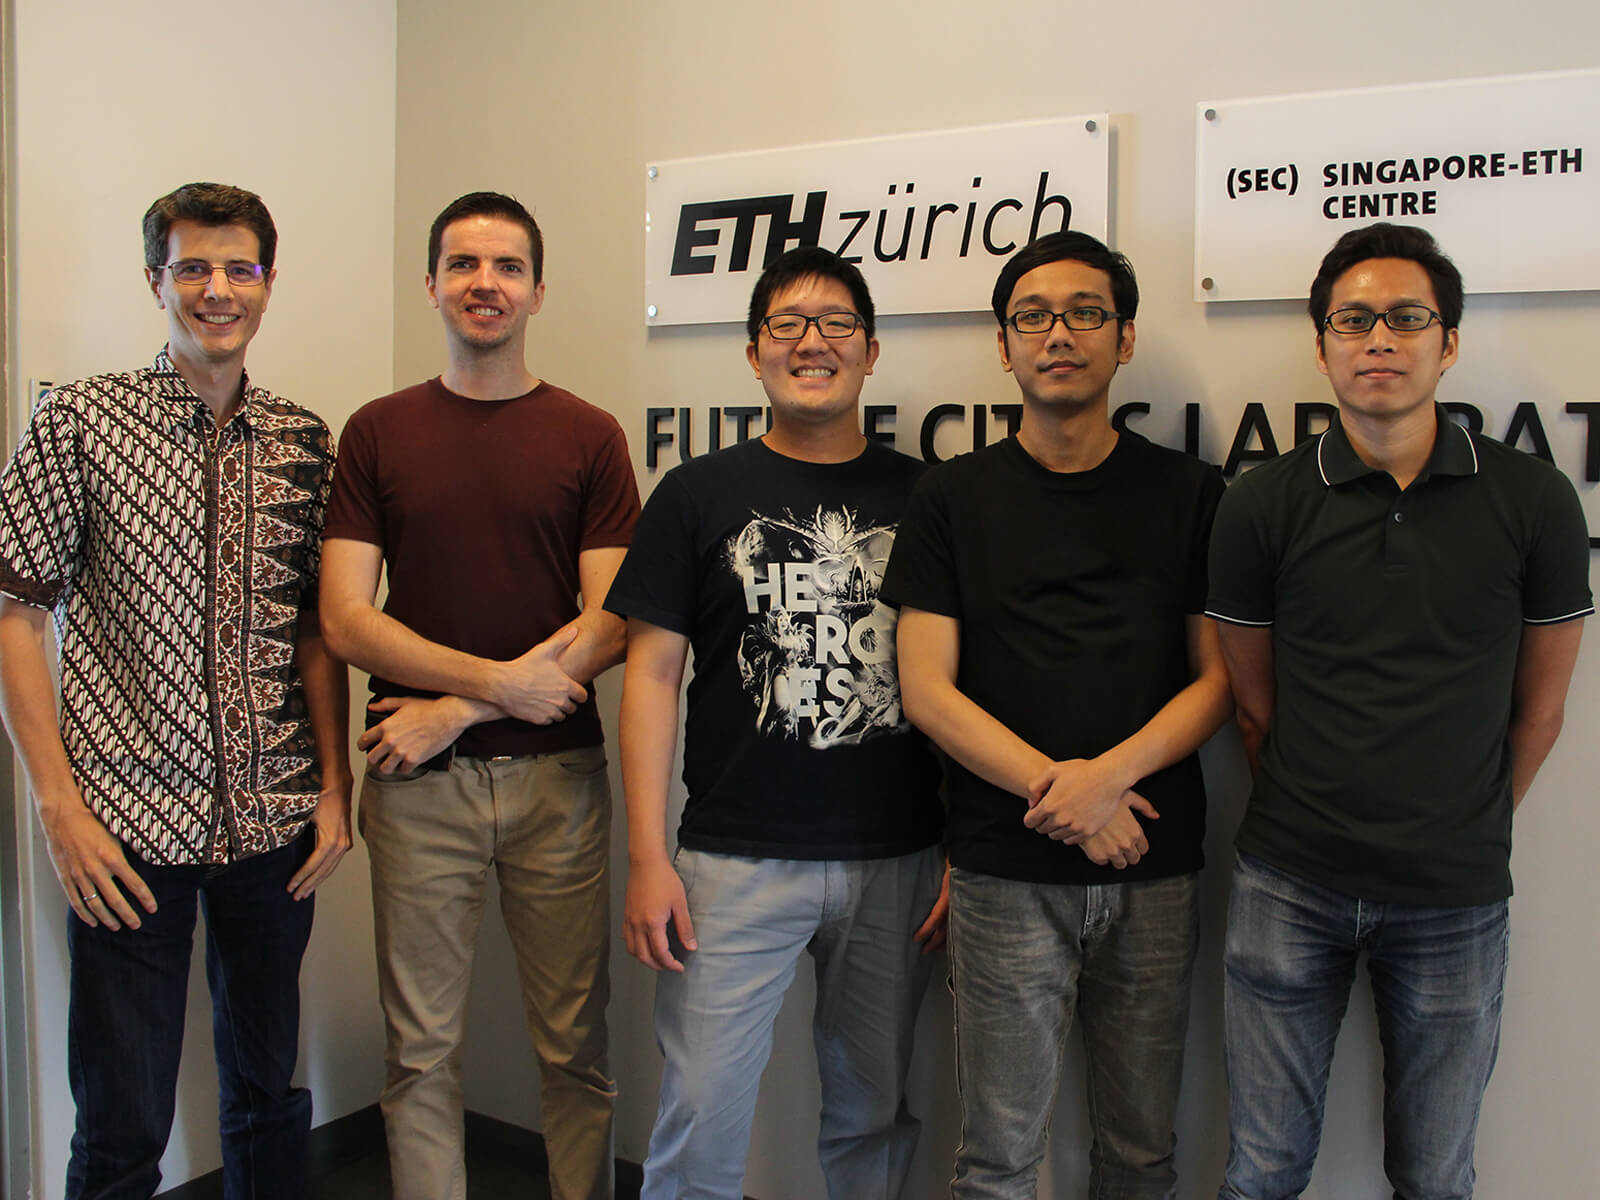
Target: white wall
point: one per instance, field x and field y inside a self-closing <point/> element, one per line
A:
<point x="563" y="105"/>
<point x="116" y="104"/>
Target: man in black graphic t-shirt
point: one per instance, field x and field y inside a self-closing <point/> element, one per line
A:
<point x="1052" y="644"/>
<point x="812" y="818"/>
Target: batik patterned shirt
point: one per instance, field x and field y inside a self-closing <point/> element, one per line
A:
<point x="176" y="558"/>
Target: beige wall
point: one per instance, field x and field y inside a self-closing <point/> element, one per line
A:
<point x="563" y="105"/>
<point x="115" y="104"/>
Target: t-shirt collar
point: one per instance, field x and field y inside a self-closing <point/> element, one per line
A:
<point x="1453" y="453"/>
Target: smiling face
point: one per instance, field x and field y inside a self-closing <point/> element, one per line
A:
<point x="483" y="284"/>
<point x="210" y="324"/>
<point x="815" y="381"/>
<point x="1381" y="374"/>
<point x="1065" y="368"/>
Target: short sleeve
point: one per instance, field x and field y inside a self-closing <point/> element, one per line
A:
<point x="1242" y="579"/>
<point x="353" y="510"/>
<point x="922" y="567"/>
<point x="611" y="505"/>
<point x="1556" y="578"/>
<point x="43" y="508"/>
<point x="659" y="579"/>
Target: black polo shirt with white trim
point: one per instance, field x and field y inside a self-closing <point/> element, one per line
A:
<point x="1396" y="619"/>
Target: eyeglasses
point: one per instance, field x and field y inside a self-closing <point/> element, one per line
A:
<point x="791" y="327"/>
<point x="1039" y="320"/>
<point x="1402" y="318"/>
<point x="198" y="270"/>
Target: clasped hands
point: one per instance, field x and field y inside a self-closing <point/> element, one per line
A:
<point x="532" y="687"/>
<point x="1083" y="802"/>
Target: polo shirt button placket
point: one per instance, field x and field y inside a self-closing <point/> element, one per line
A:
<point x="1393" y="552"/>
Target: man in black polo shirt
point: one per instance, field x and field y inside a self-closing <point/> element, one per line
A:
<point x="1400" y="604"/>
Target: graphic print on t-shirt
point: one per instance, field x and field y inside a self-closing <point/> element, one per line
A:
<point x="817" y="657"/>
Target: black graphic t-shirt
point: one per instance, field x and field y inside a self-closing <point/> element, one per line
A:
<point x="794" y="742"/>
<point x="1073" y="591"/>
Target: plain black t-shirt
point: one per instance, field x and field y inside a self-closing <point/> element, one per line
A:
<point x="794" y="743"/>
<point x="1073" y="591"/>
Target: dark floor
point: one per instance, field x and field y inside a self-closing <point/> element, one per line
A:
<point x="349" y="1161"/>
<point x="491" y="1175"/>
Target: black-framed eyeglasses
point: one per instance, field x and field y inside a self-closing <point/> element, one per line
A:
<point x="198" y="270"/>
<point x="1042" y="320"/>
<point x="791" y="327"/>
<point x="1402" y="318"/>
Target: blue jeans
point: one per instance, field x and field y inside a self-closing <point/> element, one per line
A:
<point x="752" y="919"/>
<point x="125" y="1028"/>
<point x="1438" y="977"/>
<point x="1025" y="959"/>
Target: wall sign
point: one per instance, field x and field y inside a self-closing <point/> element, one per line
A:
<point x="1504" y="172"/>
<point x="928" y="217"/>
<point x="675" y="435"/>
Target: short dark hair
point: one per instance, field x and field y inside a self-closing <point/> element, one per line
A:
<point x="486" y="204"/>
<point x="209" y="204"/>
<point x="1070" y="244"/>
<point x="1386" y="240"/>
<point x="809" y="262"/>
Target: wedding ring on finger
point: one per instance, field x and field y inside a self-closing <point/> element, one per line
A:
<point x="90" y="897"/>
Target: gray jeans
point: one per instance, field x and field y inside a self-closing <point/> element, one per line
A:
<point x="1025" y="958"/>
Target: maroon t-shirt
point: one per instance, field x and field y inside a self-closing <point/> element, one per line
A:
<point x="481" y="508"/>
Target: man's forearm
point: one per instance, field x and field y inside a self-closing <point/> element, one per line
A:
<point x="649" y="723"/>
<point x="1253" y="736"/>
<point x="600" y="644"/>
<point x="971" y="736"/>
<point x="655" y="908"/>
<point x="1545" y="663"/>
<point x="364" y="637"/>
<point x="929" y="647"/>
<point x="1181" y="727"/>
<point x="1248" y="655"/>
<point x="1070" y="800"/>
<point x="1184" y="723"/>
<point x="1531" y="741"/>
<point x="532" y="687"/>
<point x="96" y="878"/>
<point x="990" y="750"/>
<point x="28" y="703"/>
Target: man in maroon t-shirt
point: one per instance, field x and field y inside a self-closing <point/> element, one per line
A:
<point x="494" y="500"/>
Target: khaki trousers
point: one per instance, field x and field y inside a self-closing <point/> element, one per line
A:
<point x="543" y="824"/>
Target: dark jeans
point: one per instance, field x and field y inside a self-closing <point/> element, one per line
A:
<point x="1438" y="979"/>
<point x="125" y="1029"/>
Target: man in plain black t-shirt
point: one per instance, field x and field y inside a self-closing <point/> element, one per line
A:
<point x="812" y="820"/>
<point x="1052" y="643"/>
